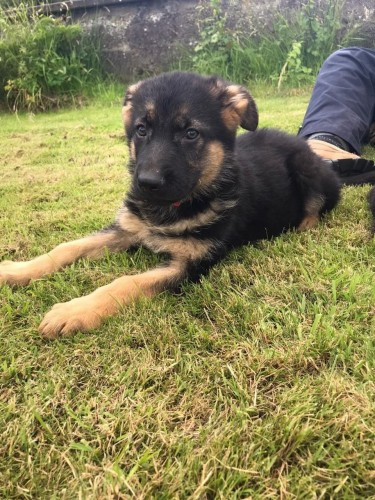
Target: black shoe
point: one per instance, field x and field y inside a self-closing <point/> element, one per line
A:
<point x="353" y="172"/>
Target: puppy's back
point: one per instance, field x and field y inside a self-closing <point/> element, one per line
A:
<point x="279" y="174"/>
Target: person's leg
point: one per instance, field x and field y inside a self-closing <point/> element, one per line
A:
<point x="342" y="102"/>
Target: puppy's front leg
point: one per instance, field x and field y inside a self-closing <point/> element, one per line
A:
<point x="93" y="246"/>
<point x="85" y="313"/>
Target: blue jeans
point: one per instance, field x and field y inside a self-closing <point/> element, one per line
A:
<point x="343" y="99"/>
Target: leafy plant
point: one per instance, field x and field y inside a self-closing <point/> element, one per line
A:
<point x="44" y="61"/>
<point x="322" y="30"/>
<point x="293" y="67"/>
<point x="291" y="51"/>
<point x="213" y="50"/>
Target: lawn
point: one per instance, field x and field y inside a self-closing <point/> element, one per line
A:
<point x="256" y="383"/>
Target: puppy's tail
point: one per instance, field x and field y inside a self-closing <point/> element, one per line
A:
<point x="356" y="173"/>
<point x="371" y="200"/>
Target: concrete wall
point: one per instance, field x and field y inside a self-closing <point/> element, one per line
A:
<point x="145" y="36"/>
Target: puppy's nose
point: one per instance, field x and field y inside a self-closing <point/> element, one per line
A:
<point x="150" y="181"/>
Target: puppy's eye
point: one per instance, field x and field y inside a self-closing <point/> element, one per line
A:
<point x="141" y="130"/>
<point x="192" y="134"/>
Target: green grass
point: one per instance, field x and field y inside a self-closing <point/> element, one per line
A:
<point x="257" y="383"/>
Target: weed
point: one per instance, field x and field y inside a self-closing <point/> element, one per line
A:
<point x="214" y="47"/>
<point x="293" y="65"/>
<point x="291" y="51"/>
<point x="44" y="62"/>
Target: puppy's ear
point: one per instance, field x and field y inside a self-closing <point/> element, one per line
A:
<point x="127" y="108"/>
<point x="238" y="106"/>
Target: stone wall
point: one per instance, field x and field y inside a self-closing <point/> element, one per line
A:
<point x="142" y="37"/>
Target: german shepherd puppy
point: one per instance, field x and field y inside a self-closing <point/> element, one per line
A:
<point x="197" y="192"/>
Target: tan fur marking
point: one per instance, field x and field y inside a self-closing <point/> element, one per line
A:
<point x="211" y="164"/>
<point x="308" y="222"/>
<point x="241" y="103"/>
<point x="235" y="101"/>
<point x="127" y="114"/>
<point x="312" y="210"/>
<point x="133" y="88"/>
<point x="150" y="110"/>
<point x="209" y="216"/>
<point x="239" y="109"/>
<point x="132" y="151"/>
<point x="185" y="248"/>
<point x="127" y="109"/>
<point x="233" y="90"/>
<point x="230" y="118"/>
<point x="184" y="110"/>
<point x="133" y="224"/>
<point x="94" y="246"/>
<point x="236" y="108"/>
<point x="182" y="116"/>
<point x="87" y="312"/>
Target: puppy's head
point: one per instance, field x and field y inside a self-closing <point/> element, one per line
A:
<point x="181" y="130"/>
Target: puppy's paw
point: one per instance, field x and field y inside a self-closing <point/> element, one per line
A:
<point x="15" y="273"/>
<point x="66" y="318"/>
